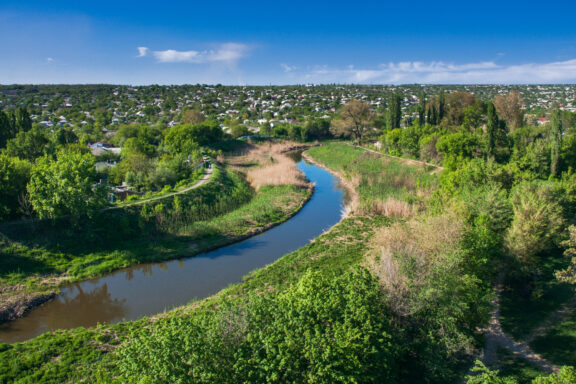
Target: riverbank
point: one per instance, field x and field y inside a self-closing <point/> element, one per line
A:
<point x="78" y="354"/>
<point x="102" y="352"/>
<point x="267" y="208"/>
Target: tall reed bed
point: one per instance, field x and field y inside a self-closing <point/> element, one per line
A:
<point x="266" y="164"/>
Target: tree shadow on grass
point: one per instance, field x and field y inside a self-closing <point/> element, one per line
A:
<point x="559" y="345"/>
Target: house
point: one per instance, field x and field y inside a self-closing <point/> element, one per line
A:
<point x="100" y="147"/>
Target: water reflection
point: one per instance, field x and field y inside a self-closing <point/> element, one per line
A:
<point x="76" y="305"/>
<point x="148" y="289"/>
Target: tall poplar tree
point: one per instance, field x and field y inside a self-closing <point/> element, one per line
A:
<point x="492" y="130"/>
<point x="422" y="108"/>
<point x="7" y="129"/>
<point x="441" y="107"/>
<point x="394" y="111"/>
<point x="23" y="121"/>
<point x="555" y="142"/>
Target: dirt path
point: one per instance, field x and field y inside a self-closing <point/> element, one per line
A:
<point x="495" y="337"/>
<point x="437" y="168"/>
<point x="200" y="182"/>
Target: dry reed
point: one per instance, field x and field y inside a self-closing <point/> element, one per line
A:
<point x="418" y="243"/>
<point x="390" y="207"/>
<point x="265" y="164"/>
<point x="282" y="171"/>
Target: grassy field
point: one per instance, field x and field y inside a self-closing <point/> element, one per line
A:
<point x="385" y="186"/>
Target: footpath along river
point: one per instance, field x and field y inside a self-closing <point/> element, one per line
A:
<point x="149" y="289"/>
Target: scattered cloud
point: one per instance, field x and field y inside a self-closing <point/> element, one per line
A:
<point x="439" y="72"/>
<point x="49" y="60"/>
<point x="288" y="68"/>
<point x="142" y="51"/>
<point x="226" y="53"/>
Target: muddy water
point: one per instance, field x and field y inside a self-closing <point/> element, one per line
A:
<point x="153" y="288"/>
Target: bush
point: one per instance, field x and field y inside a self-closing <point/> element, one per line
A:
<point x="538" y="222"/>
<point x="323" y="329"/>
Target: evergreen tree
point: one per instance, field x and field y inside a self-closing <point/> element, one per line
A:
<point x="394" y="112"/>
<point x="433" y="115"/>
<point x="6" y="128"/>
<point x="422" y="108"/>
<point x="492" y="130"/>
<point x="22" y="120"/>
<point x="555" y="142"/>
<point x="441" y="107"/>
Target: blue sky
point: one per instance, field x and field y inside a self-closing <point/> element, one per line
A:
<point x="295" y="42"/>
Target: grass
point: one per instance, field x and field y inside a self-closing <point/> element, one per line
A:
<point x="181" y="185"/>
<point x="385" y="186"/>
<point x="73" y="355"/>
<point x="521" y="313"/>
<point x="559" y="344"/>
<point x="513" y="366"/>
<point x="49" y="257"/>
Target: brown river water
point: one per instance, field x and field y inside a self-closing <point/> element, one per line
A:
<point x="149" y="289"/>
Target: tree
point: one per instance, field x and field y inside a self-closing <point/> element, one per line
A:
<point x="457" y="102"/>
<point x="394" y="111"/>
<point x="239" y="130"/>
<point x="537" y="224"/>
<point x="568" y="275"/>
<point x="472" y="117"/>
<point x="323" y="329"/>
<point x="422" y="108"/>
<point x="7" y="129"/>
<point x="483" y="375"/>
<point x="192" y="116"/>
<point x="509" y="108"/>
<point x="22" y="119"/>
<point x="181" y="139"/>
<point x="28" y="144"/>
<point x="354" y="120"/>
<point x="555" y="142"/>
<point x="14" y="175"/>
<point x="66" y="186"/>
<point x="491" y="130"/>
<point x="456" y="148"/>
<point x="205" y="133"/>
<point x="441" y="107"/>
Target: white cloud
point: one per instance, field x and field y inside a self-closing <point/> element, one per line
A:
<point x="49" y="60"/>
<point x="288" y="68"/>
<point x="439" y="72"/>
<point x="142" y="51"/>
<point x="226" y="53"/>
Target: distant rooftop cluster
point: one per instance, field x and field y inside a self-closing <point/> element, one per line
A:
<point x="105" y="106"/>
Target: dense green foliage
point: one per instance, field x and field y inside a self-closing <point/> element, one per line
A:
<point x="66" y="186"/>
<point x="502" y="203"/>
<point x="323" y="329"/>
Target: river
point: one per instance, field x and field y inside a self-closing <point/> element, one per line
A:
<point x="149" y="289"/>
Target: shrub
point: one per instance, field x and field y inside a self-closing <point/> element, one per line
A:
<point x="537" y="224"/>
<point x="322" y="329"/>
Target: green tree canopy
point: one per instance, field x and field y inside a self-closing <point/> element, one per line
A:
<point x="355" y="120"/>
<point x="14" y="175"/>
<point x="66" y="186"/>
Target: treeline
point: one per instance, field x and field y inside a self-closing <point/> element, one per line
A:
<point x="108" y="229"/>
<point x="48" y="173"/>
